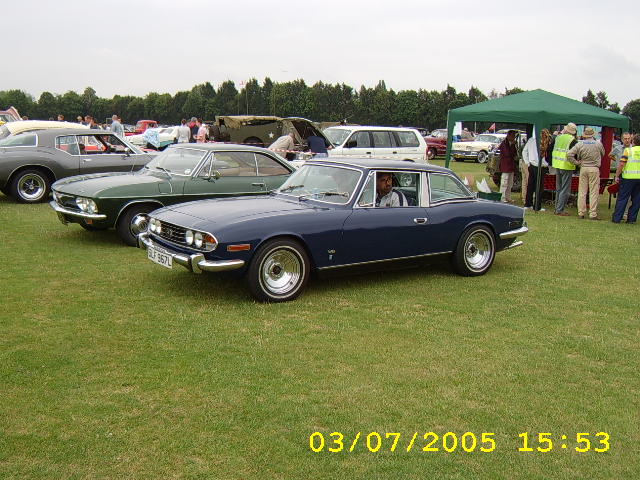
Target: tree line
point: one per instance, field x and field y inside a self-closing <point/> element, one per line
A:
<point x="377" y="105"/>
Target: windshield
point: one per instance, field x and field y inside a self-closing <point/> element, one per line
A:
<point x="322" y="182"/>
<point x="488" y="138"/>
<point x="180" y="161"/>
<point x="336" y="135"/>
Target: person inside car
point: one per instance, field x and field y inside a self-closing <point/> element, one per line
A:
<point x="386" y="196"/>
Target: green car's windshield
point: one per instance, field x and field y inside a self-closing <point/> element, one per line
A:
<point x="322" y="182"/>
<point x="336" y="135"/>
<point x="178" y="161"/>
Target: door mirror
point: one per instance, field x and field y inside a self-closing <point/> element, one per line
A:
<point x="127" y="152"/>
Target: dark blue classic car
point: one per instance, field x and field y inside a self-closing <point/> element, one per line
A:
<point x="329" y="215"/>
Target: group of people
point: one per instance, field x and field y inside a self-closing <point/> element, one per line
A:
<point x="564" y="152"/>
<point x="285" y="145"/>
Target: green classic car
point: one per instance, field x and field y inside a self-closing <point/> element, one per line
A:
<point x="181" y="173"/>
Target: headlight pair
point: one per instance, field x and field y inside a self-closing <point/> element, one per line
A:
<point x="155" y="226"/>
<point x="200" y="239"/>
<point x="86" y="205"/>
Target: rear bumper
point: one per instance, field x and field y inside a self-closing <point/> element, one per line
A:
<point x="196" y="262"/>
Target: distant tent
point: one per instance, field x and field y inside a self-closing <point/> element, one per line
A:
<point x="536" y="107"/>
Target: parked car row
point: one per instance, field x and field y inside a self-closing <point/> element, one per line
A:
<point x="252" y="212"/>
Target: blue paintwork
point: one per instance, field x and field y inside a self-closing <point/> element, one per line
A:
<point x="337" y="235"/>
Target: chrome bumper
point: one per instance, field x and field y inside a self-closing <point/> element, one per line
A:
<point x="196" y="262"/>
<point x="514" y="233"/>
<point x="76" y="213"/>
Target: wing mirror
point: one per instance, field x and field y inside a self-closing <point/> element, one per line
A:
<point x="127" y="152"/>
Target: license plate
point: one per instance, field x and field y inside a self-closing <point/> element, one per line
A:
<point x="160" y="257"/>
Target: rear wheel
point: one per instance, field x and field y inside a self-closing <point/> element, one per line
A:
<point x="431" y="153"/>
<point x="279" y="271"/>
<point x="30" y="186"/>
<point x="132" y="222"/>
<point x="475" y="252"/>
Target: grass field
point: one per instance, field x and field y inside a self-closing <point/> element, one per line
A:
<point x="112" y="367"/>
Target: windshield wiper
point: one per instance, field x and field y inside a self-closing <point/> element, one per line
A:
<point x="164" y="170"/>
<point x="326" y="194"/>
<point x="290" y="187"/>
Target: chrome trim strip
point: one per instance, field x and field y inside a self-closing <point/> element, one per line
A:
<point x="74" y="213"/>
<point x="196" y="263"/>
<point x="385" y="260"/>
<point x="514" y="233"/>
<point x="514" y="245"/>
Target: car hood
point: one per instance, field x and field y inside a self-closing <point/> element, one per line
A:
<point x="225" y="211"/>
<point x="112" y="184"/>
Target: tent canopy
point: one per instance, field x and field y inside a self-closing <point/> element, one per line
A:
<point x="536" y="107"/>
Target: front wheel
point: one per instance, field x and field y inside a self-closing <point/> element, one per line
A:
<point x="482" y="157"/>
<point x="475" y="252"/>
<point x="279" y="271"/>
<point x="31" y="186"/>
<point x="132" y="222"/>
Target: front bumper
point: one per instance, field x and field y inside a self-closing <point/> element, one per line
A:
<point x="76" y="213"/>
<point x="464" y="154"/>
<point x="195" y="262"/>
<point x="514" y="233"/>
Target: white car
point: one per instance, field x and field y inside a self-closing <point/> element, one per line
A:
<point x="393" y="143"/>
<point x="478" y="149"/>
<point x="166" y="136"/>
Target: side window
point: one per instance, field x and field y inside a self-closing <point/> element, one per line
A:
<point x="391" y="189"/>
<point x="235" y="164"/>
<point x="382" y="140"/>
<point x="408" y="139"/>
<point x="268" y="166"/>
<point x="68" y="144"/>
<point x="359" y="140"/>
<point x="446" y="187"/>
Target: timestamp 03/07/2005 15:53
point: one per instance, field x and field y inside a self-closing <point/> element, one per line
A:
<point x="449" y="442"/>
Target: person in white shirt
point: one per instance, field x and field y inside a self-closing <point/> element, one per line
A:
<point x="284" y="145"/>
<point x="386" y="196"/>
<point x="184" y="132"/>
<point x="531" y="159"/>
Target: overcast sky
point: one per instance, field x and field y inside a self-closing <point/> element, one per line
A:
<point x="141" y="46"/>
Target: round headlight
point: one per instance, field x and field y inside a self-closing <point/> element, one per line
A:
<point x="197" y="240"/>
<point x="188" y="237"/>
<point x="91" y="206"/>
<point x="82" y="203"/>
<point x="152" y="224"/>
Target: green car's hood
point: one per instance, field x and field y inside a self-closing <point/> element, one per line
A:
<point x="113" y="184"/>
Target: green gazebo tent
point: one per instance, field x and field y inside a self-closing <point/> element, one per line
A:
<point x="535" y="107"/>
<point x="539" y="109"/>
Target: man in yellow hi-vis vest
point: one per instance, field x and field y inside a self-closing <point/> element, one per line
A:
<point x="628" y="174"/>
<point x="564" y="169"/>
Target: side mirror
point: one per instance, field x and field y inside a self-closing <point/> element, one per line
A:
<point x="215" y="174"/>
<point x="127" y="152"/>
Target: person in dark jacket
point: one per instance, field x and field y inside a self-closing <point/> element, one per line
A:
<point x="508" y="154"/>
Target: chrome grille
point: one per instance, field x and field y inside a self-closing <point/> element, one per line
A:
<point x="173" y="233"/>
<point x="64" y="200"/>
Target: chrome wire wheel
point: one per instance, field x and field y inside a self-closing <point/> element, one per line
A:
<point x="478" y="251"/>
<point x="282" y="271"/>
<point x="31" y="187"/>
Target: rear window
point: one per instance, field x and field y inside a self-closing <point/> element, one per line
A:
<point x="24" y="140"/>
<point x="408" y="139"/>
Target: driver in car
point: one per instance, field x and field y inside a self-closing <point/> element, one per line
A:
<point x="386" y="196"/>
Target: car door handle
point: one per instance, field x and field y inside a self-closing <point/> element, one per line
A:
<point x="395" y="152"/>
<point x="420" y="221"/>
<point x="259" y="184"/>
<point x="368" y="153"/>
<point x="87" y="159"/>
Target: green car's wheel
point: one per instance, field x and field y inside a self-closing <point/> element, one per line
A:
<point x="475" y="252"/>
<point x="279" y="271"/>
<point x="134" y="221"/>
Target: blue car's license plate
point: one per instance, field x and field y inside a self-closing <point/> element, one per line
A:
<point x="160" y="257"/>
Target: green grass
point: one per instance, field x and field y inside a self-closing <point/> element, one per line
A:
<point x="113" y="367"/>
